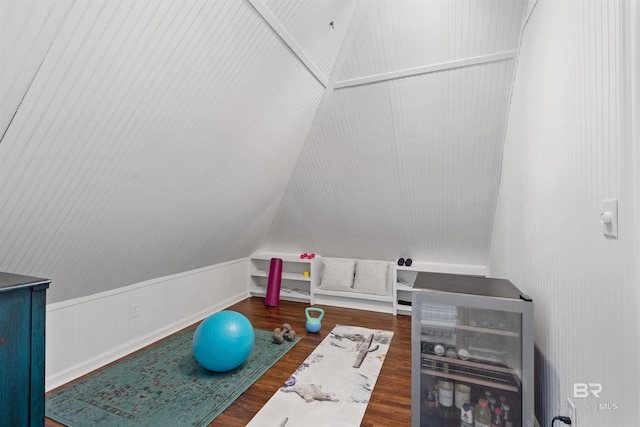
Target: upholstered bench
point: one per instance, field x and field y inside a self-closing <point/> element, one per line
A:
<point x="355" y="283"/>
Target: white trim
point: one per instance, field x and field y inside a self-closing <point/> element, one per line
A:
<point x="356" y="19"/>
<point x="427" y="69"/>
<point x="632" y="14"/>
<point x="125" y="289"/>
<point x="432" y="267"/>
<point x="505" y="128"/>
<point x="354" y="24"/>
<point x="281" y="32"/>
<point x="528" y="16"/>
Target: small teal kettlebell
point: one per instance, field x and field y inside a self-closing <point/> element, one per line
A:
<point x="313" y="323"/>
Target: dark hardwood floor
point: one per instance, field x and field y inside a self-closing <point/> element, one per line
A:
<point x="390" y="404"/>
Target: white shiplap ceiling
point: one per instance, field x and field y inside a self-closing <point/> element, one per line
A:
<point x="405" y="158"/>
<point x="145" y="138"/>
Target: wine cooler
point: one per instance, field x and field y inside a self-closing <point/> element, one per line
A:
<point x="471" y="352"/>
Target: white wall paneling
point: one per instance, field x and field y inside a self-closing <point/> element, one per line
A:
<point x="571" y="143"/>
<point x="403" y="159"/>
<point x="307" y="22"/>
<point x="406" y="167"/>
<point x="164" y="136"/>
<point x="633" y="69"/>
<point x="305" y="28"/>
<point x="26" y="35"/>
<point x="86" y="333"/>
<point x="156" y="137"/>
<point x="398" y="35"/>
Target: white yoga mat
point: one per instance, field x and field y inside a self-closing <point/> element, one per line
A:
<point x="327" y="390"/>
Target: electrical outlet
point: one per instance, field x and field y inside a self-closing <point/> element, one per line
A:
<point x="572" y="412"/>
<point x="134" y="310"/>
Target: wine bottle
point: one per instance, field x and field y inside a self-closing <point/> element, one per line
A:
<point x="445" y="392"/>
<point x="482" y="414"/>
<point x="430" y="405"/>
<point x="506" y="415"/>
<point x="497" y="418"/>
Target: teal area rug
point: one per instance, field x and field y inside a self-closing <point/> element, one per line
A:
<point x="161" y="386"/>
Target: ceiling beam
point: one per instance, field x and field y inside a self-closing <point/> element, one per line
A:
<point x="427" y="69"/>
<point x="277" y="27"/>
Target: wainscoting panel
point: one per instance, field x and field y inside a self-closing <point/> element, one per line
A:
<point x="86" y="333"/>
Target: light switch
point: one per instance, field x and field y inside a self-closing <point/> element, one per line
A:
<point x="609" y="218"/>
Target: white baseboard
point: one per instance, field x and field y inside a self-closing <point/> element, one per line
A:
<point x="87" y="333"/>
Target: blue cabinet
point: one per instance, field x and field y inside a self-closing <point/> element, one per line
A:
<point x="22" y="349"/>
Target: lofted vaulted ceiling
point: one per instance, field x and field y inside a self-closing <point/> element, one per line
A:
<point x="404" y="157"/>
<point x="145" y="138"/>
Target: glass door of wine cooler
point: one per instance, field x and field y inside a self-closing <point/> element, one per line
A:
<point x="469" y="364"/>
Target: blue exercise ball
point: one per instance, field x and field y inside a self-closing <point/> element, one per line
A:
<point x="223" y="341"/>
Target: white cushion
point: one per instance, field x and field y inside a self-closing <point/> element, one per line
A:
<point x="371" y="277"/>
<point x="337" y="274"/>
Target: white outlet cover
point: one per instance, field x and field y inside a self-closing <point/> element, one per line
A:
<point x="610" y="211"/>
<point x="134" y="310"/>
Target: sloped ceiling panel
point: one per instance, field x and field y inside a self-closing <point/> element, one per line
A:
<point x="402" y="168"/>
<point x="398" y="35"/>
<point x="156" y="137"/>
<point x="27" y="30"/>
<point x="408" y="166"/>
<point x="308" y="22"/>
<point x="147" y="138"/>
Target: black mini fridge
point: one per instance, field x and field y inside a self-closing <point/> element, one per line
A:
<point x="471" y="352"/>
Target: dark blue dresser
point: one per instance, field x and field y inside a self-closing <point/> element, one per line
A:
<point x="22" y="349"/>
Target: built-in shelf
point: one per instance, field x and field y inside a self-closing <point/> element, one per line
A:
<point x="404" y="277"/>
<point x="403" y="287"/>
<point x="470" y="372"/>
<point x="295" y="284"/>
<point x="285" y="293"/>
<point x="403" y="309"/>
<point x="361" y="296"/>
<point x="479" y="329"/>
<point x="285" y="276"/>
<point x="492" y="331"/>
